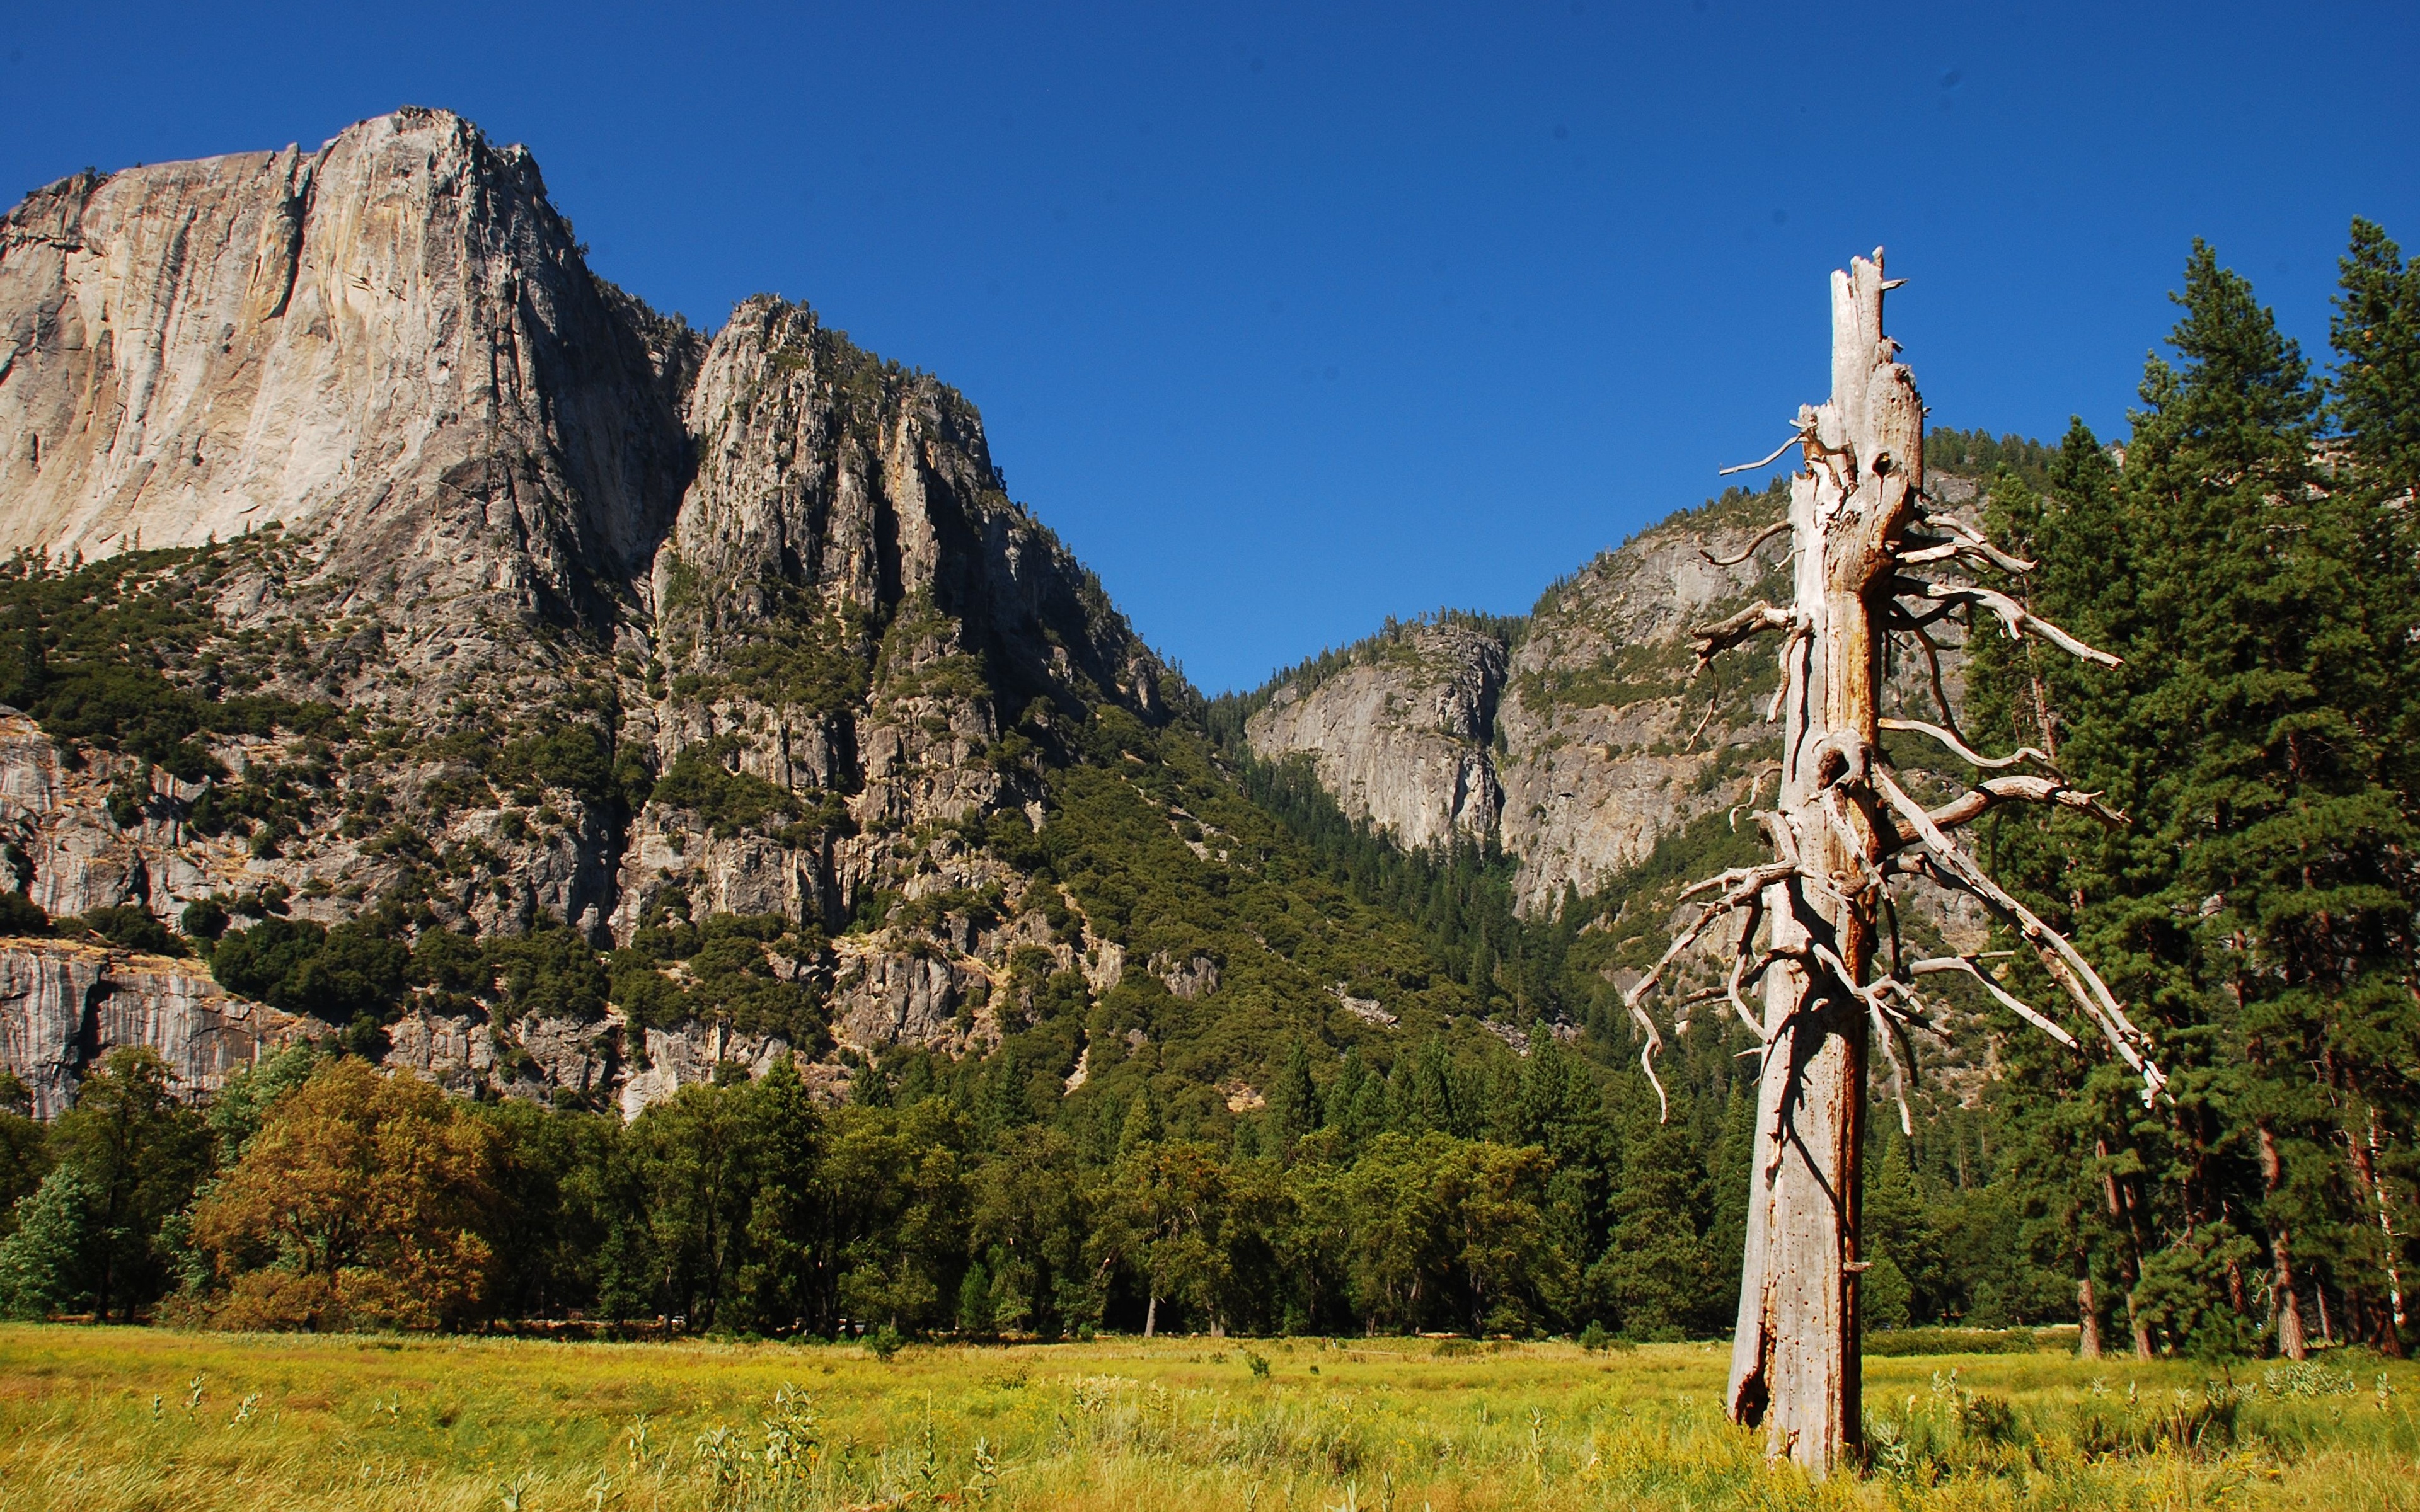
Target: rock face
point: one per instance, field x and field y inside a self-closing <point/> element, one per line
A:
<point x="1403" y="740"/>
<point x="64" y="1006"/>
<point x="1581" y="726"/>
<point x="577" y="618"/>
<point x="389" y="345"/>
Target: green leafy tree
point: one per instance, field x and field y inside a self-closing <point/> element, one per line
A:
<point x="49" y="1257"/>
<point x="1655" y="1279"/>
<point x="1030" y="1213"/>
<point x="139" y="1152"/>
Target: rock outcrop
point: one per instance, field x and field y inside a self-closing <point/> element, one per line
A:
<point x="64" y="1006"/>
<point x="390" y="345"/>
<point x="1402" y="740"/>
<point x="1577" y="738"/>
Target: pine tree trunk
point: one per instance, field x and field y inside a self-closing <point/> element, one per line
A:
<point x="2365" y="1165"/>
<point x="2087" y="1320"/>
<point x="1150" y="1315"/>
<point x="2283" y="1301"/>
<point x="1794" y="1366"/>
<point x="2123" y="1206"/>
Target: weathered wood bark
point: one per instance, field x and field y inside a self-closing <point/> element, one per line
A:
<point x="1794" y="1355"/>
<point x="1864" y="548"/>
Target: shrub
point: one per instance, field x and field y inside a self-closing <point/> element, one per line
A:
<point x="128" y="927"/>
<point x="338" y="974"/>
<point x="728" y="801"/>
<point x="21" y="915"/>
<point x="204" y="918"/>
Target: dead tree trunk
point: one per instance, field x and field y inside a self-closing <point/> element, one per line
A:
<point x="1842" y="827"/>
<point x="1795" y="1355"/>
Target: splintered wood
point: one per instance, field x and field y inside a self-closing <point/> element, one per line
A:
<point x="1867" y="551"/>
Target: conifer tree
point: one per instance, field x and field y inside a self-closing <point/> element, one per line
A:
<point x="2375" y="404"/>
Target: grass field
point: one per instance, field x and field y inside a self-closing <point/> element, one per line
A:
<point x="102" y="1419"/>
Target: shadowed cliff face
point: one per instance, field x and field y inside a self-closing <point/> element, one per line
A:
<point x="543" y="611"/>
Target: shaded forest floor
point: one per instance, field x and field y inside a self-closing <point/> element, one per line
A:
<point x="105" y="1418"/>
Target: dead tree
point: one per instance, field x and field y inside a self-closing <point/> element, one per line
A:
<point x="1875" y="556"/>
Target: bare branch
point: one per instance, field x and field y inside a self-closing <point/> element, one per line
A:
<point x="1965" y="752"/>
<point x="1768" y="533"/>
<point x="1755" y="785"/>
<point x="1647" y="1054"/>
<point x="2006" y="999"/>
<point x="1705" y="720"/>
<point x="1739" y="885"/>
<point x="1975" y="541"/>
<point x="2018" y="620"/>
<point x="1903" y="618"/>
<point x="1715" y="639"/>
<point x="1796" y="438"/>
<point x="1991" y="794"/>
<point x="1740" y="967"/>
<point x="1889" y="1032"/>
<point x="1940" y="694"/>
<point x="2061" y="959"/>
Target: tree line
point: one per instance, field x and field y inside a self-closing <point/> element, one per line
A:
<point x="317" y="1191"/>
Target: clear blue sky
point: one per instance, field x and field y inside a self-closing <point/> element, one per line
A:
<point x="1289" y="318"/>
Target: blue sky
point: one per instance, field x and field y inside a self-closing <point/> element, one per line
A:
<point x="1292" y="317"/>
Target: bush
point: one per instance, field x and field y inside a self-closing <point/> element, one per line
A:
<point x="550" y="973"/>
<point x="20" y="916"/>
<point x="129" y="928"/>
<point x="338" y="975"/>
<point x="1905" y="1341"/>
<point x="572" y="758"/>
<point x="204" y="918"/>
<point x="728" y="801"/>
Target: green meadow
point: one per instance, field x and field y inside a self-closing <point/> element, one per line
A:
<point x="97" y="1419"/>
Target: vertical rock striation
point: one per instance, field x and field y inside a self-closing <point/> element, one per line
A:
<point x="64" y="1006"/>
<point x="1400" y="741"/>
<point x="390" y="345"/>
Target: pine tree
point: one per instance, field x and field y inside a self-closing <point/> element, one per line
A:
<point x="2375" y="403"/>
<point x="1293" y="1098"/>
<point x="2254" y="897"/>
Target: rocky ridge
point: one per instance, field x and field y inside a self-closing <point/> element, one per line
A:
<point x="573" y="617"/>
<point x="562" y="703"/>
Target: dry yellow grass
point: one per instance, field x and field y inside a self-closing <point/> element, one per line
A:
<point x="105" y="1419"/>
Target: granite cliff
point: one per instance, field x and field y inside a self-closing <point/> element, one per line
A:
<point x="1574" y="738"/>
<point x="535" y="611"/>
